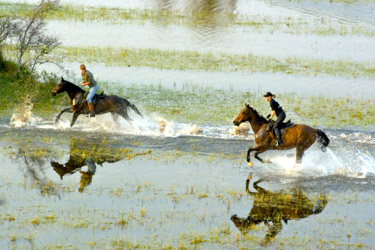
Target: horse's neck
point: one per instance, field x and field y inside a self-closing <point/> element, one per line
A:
<point x="256" y="126"/>
<point x="256" y="121"/>
<point x="74" y="90"/>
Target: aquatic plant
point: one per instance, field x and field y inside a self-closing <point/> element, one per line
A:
<point x="207" y="61"/>
<point x="290" y="24"/>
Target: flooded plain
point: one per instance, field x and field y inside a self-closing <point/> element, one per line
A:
<point x="89" y="189"/>
<point x="176" y="178"/>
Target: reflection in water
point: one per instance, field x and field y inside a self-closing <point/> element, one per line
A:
<point x="206" y="6"/>
<point x="85" y="153"/>
<point x="274" y="207"/>
<point x="34" y="160"/>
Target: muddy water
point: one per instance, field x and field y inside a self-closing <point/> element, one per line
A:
<point x="112" y="188"/>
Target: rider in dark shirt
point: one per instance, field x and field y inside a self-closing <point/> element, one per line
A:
<point x="278" y="110"/>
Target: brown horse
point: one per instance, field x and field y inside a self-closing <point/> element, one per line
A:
<point x="271" y="208"/>
<point x="108" y="104"/>
<point x="299" y="136"/>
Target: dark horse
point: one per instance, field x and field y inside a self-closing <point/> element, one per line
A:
<point x="108" y="104"/>
<point x="86" y="153"/>
<point x="272" y="208"/>
<point x="299" y="136"/>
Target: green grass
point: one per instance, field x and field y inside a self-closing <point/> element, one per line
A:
<point x="207" y="61"/>
<point x="16" y="90"/>
<point x="196" y="18"/>
<point x="204" y="105"/>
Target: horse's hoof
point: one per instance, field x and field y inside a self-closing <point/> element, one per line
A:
<point x="250" y="164"/>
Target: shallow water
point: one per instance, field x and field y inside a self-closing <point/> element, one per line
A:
<point x="363" y="11"/>
<point x="183" y="191"/>
<point x="240" y="81"/>
<point x="171" y="184"/>
<point x="233" y="40"/>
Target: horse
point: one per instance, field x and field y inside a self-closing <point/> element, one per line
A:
<point x="104" y="104"/>
<point x="275" y="207"/>
<point x="299" y="136"/>
<point x="85" y="153"/>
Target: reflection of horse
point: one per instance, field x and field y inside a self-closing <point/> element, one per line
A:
<point x="273" y="207"/>
<point x="83" y="155"/>
<point x="299" y="136"/>
<point x="106" y="104"/>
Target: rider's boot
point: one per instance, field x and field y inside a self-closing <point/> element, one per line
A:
<point x="278" y="135"/>
<point x="92" y="109"/>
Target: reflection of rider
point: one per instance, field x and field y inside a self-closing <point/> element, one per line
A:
<point x="278" y="110"/>
<point x="272" y="208"/>
<point x="88" y="79"/>
<point x="86" y="177"/>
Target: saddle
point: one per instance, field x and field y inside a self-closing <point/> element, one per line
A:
<point x="282" y="127"/>
<point x="96" y="97"/>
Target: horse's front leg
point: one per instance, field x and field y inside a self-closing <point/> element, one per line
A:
<point x="259" y="149"/>
<point x="75" y="116"/>
<point x="62" y="111"/>
<point x="248" y="157"/>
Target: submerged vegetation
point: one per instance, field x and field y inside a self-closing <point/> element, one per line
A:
<point x="205" y="105"/>
<point x="144" y="203"/>
<point x="197" y="18"/>
<point x="199" y="61"/>
<point x="83" y="188"/>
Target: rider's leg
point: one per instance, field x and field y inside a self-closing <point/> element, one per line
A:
<point x="280" y="119"/>
<point x="89" y="100"/>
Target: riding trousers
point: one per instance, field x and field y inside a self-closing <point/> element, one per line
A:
<point x="279" y="120"/>
<point x="91" y="94"/>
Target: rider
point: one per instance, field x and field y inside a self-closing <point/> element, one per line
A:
<point x="88" y="79"/>
<point x="278" y="110"/>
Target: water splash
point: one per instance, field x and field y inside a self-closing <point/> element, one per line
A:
<point x="345" y="162"/>
<point x="23" y="115"/>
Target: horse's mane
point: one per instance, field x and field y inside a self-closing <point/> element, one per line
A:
<point x="260" y="117"/>
<point x="74" y="87"/>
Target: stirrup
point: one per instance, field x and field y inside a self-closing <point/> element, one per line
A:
<point x="277" y="143"/>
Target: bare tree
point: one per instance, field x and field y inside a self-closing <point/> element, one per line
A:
<point x="7" y="28"/>
<point x="33" y="42"/>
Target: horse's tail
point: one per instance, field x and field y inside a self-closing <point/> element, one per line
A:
<point x="322" y="139"/>
<point x="133" y="107"/>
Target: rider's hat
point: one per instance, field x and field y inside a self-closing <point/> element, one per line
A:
<point x="268" y="94"/>
<point x="82" y="66"/>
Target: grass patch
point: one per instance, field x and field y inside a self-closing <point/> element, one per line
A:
<point x="15" y="91"/>
<point x="194" y="18"/>
<point x="199" y="61"/>
<point x="204" y="105"/>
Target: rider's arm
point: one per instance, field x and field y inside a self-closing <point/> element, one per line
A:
<point x="272" y="114"/>
<point x="85" y="80"/>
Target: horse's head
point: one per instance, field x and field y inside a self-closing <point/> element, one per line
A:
<point x="244" y="225"/>
<point x="243" y="116"/>
<point x="60" y="87"/>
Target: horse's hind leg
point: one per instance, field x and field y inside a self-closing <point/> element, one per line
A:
<point x="299" y="154"/>
<point x="75" y="116"/>
<point x="126" y="117"/>
<point x="115" y="117"/>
